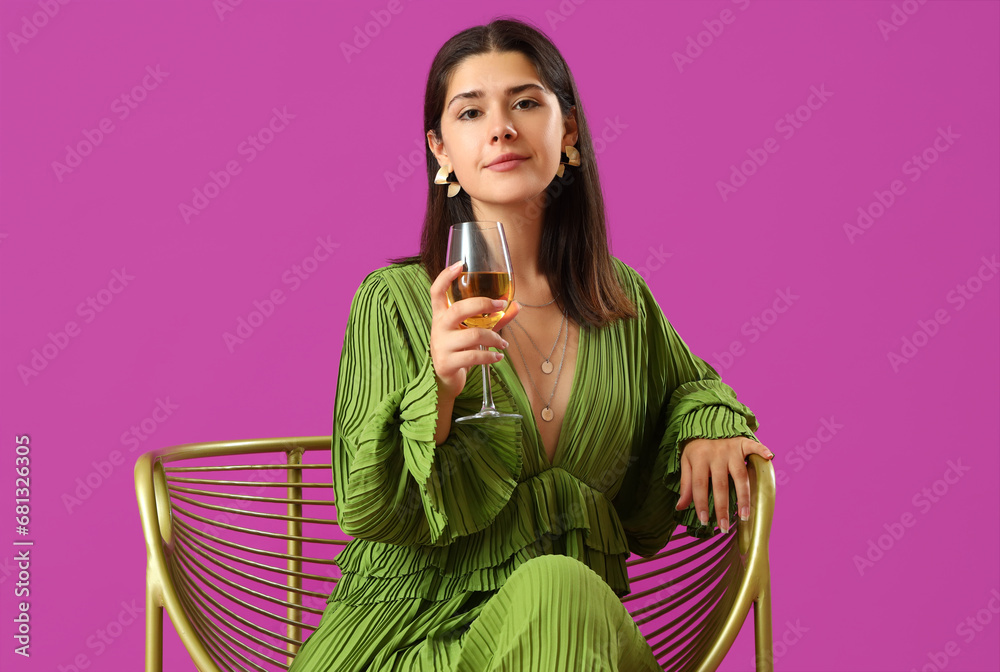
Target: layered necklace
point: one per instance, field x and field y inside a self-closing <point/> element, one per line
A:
<point x="547" y="367"/>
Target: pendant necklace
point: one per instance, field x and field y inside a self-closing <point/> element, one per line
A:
<point x="547" y="413"/>
<point x="547" y="364"/>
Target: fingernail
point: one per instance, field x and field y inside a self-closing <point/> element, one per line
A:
<point x="499" y="304"/>
<point x="724" y="525"/>
<point x="499" y="355"/>
<point x="457" y="264"/>
<point x="703" y="517"/>
<point x="770" y="455"/>
<point x="745" y="513"/>
<point x="505" y="344"/>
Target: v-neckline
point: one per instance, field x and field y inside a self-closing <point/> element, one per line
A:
<point x="571" y="404"/>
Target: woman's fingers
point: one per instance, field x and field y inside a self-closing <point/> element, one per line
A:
<point x="738" y="468"/>
<point x="455" y="347"/>
<point x="741" y="478"/>
<point x="685" y="499"/>
<point x="749" y="446"/>
<point x="462" y="310"/>
<point x="468" y="359"/>
<point x="509" y="315"/>
<point x="447" y="335"/>
<point x="704" y="464"/>
<point x="439" y="298"/>
<point x="720" y="489"/>
<point x="763" y="451"/>
<point x="699" y="488"/>
<point x="473" y="337"/>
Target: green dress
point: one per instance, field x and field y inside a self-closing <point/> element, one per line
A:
<point x="438" y="530"/>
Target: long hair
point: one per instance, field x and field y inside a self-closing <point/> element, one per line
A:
<point x="573" y="251"/>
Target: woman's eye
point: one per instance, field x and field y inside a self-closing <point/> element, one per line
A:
<point x="532" y="104"/>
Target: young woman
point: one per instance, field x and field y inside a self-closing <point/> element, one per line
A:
<point x="502" y="546"/>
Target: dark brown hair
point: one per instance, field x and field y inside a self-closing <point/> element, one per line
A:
<point x="573" y="251"/>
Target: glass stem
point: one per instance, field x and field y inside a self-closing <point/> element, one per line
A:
<point x="487" y="387"/>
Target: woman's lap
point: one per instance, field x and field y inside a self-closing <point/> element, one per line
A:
<point x="409" y="634"/>
<point x="555" y="613"/>
<point x="552" y="613"/>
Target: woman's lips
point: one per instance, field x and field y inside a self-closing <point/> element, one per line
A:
<point x="504" y="166"/>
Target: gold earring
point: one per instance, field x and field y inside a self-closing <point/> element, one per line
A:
<point x="442" y="178"/>
<point x="572" y="159"/>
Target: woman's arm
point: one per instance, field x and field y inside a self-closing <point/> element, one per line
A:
<point x="393" y="481"/>
<point x="446" y="404"/>
<point x="688" y="400"/>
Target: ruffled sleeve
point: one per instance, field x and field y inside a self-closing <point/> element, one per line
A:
<point x="392" y="483"/>
<point x="686" y="400"/>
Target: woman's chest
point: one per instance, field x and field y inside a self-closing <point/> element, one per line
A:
<point x="597" y="402"/>
<point x="548" y="376"/>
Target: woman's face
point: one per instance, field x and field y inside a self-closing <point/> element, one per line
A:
<point x="482" y="120"/>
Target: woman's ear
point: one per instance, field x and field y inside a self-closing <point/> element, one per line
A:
<point x="437" y="147"/>
<point x="571" y="134"/>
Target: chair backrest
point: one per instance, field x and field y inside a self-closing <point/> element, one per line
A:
<point x="241" y="538"/>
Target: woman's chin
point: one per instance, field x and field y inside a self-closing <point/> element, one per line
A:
<point x="509" y="195"/>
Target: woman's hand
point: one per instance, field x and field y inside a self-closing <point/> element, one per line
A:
<point x="717" y="458"/>
<point x="454" y="348"/>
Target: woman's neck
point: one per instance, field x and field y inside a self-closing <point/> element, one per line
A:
<point x="522" y="225"/>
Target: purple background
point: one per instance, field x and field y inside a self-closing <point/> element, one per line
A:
<point x="715" y="262"/>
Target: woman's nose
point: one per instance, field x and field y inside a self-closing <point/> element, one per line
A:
<point x="503" y="127"/>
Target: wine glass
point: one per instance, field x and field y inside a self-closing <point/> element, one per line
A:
<point x="482" y="246"/>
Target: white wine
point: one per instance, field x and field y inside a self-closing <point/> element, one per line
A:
<point x="492" y="285"/>
<point x="485" y="274"/>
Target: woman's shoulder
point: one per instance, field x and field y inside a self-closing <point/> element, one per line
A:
<point x="628" y="273"/>
<point x="414" y="274"/>
<point x="637" y="289"/>
<point x="393" y="280"/>
<point x="395" y="273"/>
<point x="631" y="281"/>
<point x="398" y="292"/>
<point x="407" y="284"/>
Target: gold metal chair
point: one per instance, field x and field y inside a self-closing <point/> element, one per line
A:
<point x="238" y="545"/>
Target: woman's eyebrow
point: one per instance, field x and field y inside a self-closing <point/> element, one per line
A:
<point x="512" y="91"/>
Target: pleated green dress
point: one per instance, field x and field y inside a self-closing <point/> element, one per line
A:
<point x="479" y="554"/>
